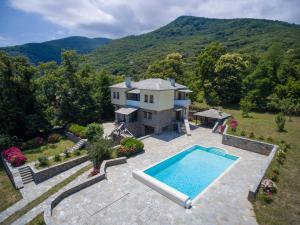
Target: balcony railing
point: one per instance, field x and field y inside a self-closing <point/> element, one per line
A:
<point x="133" y="103"/>
<point x="183" y="103"/>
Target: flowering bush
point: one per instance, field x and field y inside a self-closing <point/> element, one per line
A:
<point x="124" y="151"/>
<point x="130" y="146"/>
<point x="221" y="129"/>
<point x="268" y="186"/>
<point x="14" y="156"/>
<point x="53" y="138"/>
<point x="233" y="124"/>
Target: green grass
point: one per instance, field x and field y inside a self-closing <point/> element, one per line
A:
<point x="44" y="196"/>
<point x="38" y="220"/>
<point x="9" y="195"/>
<point x="48" y="150"/>
<point x="63" y="159"/>
<point x="285" y="207"/>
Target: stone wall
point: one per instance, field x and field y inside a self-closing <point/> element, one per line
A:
<point x="44" y="174"/>
<point x="246" y="144"/>
<point x="13" y="174"/>
<point x="90" y="181"/>
<point x="72" y="137"/>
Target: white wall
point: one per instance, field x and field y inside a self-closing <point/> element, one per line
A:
<point x="122" y="94"/>
<point x="163" y="100"/>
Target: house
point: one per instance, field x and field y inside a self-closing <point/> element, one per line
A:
<point x="151" y="106"/>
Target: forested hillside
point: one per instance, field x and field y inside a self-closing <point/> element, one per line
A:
<point x="51" y="50"/>
<point x="188" y="36"/>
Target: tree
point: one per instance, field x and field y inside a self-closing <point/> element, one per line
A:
<point x="230" y="69"/>
<point x="280" y="122"/>
<point x="99" y="150"/>
<point x="246" y="106"/>
<point x="170" y="67"/>
<point x="94" y="131"/>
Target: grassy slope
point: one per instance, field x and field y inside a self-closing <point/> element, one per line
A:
<point x="9" y="195"/>
<point x="285" y="209"/>
<point x="46" y="150"/>
<point x="38" y="220"/>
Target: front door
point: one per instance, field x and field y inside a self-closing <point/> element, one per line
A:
<point x="148" y="130"/>
<point x="178" y="115"/>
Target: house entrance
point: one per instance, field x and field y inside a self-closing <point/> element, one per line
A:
<point x="148" y="130"/>
<point x="178" y="115"/>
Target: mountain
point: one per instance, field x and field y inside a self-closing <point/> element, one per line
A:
<point x="189" y="35"/>
<point x="51" y="50"/>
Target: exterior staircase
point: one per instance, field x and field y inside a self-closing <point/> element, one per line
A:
<point x="78" y="145"/>
<point x="187" y="127"/>
<point x="26" y="174"/>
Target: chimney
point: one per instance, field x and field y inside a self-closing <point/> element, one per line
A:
<point x="128" y="82"/>
<point x="172" y="80"/>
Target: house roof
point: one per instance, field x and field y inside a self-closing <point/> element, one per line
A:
<point x="151" y="84"/>
<point x="212" y="113"/>
<point x="126" y="110"/>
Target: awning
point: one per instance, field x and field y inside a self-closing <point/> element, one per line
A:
<point x="185" y="91"/>
<point x="134" y="91"/>
<point x="126" y="110"/>
<point x="178" y="108"/>
<point x="212" y="113"/>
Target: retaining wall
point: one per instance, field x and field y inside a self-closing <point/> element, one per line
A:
<point x="44" y="174"/>
<point x="90" y="181"/>
<point x="13" y="174"/>
<point x="246" y="144"/>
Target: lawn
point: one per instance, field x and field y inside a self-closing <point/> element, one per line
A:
<point x="285" y="208"/>
<point x="9" y="195"/>
<point x="48" y="150"/>
<point x="38" y="220"/>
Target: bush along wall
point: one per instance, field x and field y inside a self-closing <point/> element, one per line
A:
<point x="130" y="146"/>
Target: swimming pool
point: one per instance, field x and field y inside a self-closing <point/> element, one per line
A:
<point x="189" y="172"/>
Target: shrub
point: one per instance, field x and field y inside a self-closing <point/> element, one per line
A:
<point x="246" y="106"/>
<point x="243" y="133"/>
<point x="274" y="177"/>
<point x="67" y="154"/>
<point x="52" y="146"/>
<point x="233" y="125"/>
<point x="251" y="135"/>
<point x="268" y="186"/>
<point x="5" y="142"/>
<point x="267" y="197"/>
<point x="54" y="138"/>
<point x="57" y="158"/>
<point x="43" y="161"/>
<point x="261" y="138"/>
<point x="281" y="154"/>
<point x="130" y="146"/>
<point x="78" y="130"/>
<point x="99" y="150"/>
<point x="77" y="152"/>
<point x="270" y="139"/>
<point x="94" y="131"/>
<point x="38" y="141"/>
<point x="14" y="156"/>
<point x="280" y="122"/>
<point x="275" y="170"/>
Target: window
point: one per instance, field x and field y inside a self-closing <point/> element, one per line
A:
<point x="149" y="116"/>
<point x="118" y="96"/>
<point x="145" y="115"/>
<point x="151" y="99"/>
<point x="146" y="98"/>
<point x="114" y="94"/>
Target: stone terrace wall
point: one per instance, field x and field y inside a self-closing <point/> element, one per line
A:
<point x="13" y="174"/>
<point x="44" y="174"/>
<point x="247" y="144"/>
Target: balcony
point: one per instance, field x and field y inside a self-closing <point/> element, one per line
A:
<point x="184" y="103"/>
<point x="133" y="103"/>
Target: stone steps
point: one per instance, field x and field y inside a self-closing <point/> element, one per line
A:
<point x="26" y="174"/>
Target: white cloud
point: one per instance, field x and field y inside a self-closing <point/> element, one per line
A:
<point x="115" y="18"/>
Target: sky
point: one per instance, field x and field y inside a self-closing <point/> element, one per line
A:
<point x="25" y="21"/>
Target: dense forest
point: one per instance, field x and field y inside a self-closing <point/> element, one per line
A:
<point x="263" y="75"/>
<point x="50" y="50"/>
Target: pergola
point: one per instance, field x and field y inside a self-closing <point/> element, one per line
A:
<point x="211" y="116"/>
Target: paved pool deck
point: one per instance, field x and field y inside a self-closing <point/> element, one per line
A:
<point x="123" y="200"/>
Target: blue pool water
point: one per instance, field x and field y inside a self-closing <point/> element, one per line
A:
<point x="192" y="170"/>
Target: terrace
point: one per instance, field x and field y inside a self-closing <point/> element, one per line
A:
<point x="225" y="202"/>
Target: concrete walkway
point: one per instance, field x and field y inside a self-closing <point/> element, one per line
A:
<point x="123" y="200"/>
<point x="31" y="190"/>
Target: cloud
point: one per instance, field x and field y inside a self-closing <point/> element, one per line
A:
<point x="115" y="18"/>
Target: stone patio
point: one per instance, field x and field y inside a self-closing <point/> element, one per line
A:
<point x="123" y="200"/>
